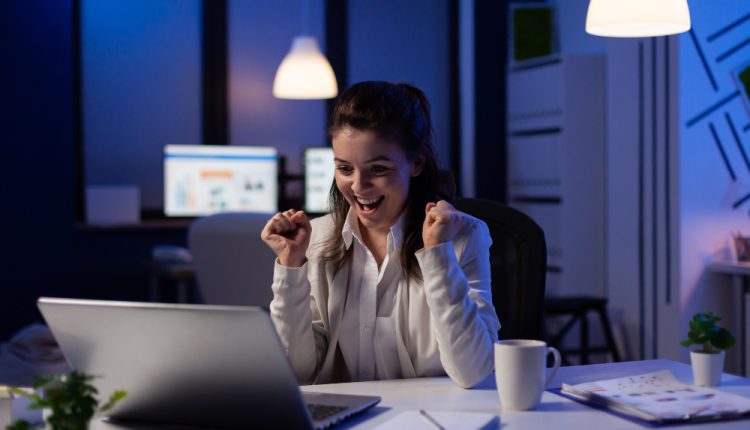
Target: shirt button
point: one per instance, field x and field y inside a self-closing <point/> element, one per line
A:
<point x="366" y="328"/>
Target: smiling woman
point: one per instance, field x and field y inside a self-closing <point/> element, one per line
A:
<point x="394" y="282"/>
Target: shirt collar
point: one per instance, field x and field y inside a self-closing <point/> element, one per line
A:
<point x="351" y="231"/>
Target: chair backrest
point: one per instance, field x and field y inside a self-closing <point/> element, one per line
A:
<point x="518" y="260"/>
<point x="232" y="264"/>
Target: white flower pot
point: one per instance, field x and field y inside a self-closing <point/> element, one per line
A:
<point x="707" y="368"/>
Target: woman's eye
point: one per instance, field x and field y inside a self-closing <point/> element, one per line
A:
<point x="377" y="169"/>
<point x="345" y="170"/>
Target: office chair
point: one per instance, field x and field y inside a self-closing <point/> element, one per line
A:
<point x="518" y="260"/>
<point x="232" y="264"/>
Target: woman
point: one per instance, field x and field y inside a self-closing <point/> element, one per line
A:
<point x="394" y="282"/>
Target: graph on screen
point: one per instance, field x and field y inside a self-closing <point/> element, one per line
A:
<point x="204" y="179"/>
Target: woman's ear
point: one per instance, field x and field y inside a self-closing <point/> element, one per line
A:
<point x="417" y="165"/>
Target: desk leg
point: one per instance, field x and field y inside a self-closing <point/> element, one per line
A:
<point x="739" y="315"/>
<point x="183" y="291"/>
<point x="745" y="334"/>
<point x="153" y="288"/>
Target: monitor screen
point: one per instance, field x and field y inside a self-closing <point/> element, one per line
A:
<point x="205" y="179"/>
<point x="319" y="168"/>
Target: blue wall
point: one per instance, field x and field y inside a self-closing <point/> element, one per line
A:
<point x="406" y="41"/>
<point x="141" y="67"/>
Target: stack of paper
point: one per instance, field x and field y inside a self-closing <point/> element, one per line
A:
<point x="660" y="397"/>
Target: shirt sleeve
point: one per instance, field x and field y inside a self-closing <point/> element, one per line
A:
<point x="296" y="318"/>
<point x="459" y="297"/>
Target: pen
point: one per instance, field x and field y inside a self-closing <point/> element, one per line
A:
<point x="430" y="420"/>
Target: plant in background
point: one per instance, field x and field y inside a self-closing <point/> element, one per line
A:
<point x="70" y="398"/>
<point x="705" y="332"/>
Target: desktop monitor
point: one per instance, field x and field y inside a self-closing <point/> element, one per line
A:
<point x="319" y="169"/>
<point x="204" y="179"/>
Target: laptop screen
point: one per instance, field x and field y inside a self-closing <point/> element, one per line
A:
<point x="319" y="168"/>
<point x="204" y="179"/>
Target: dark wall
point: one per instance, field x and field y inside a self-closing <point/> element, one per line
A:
<point x="38" y="140"/>
<point x="43" y="251"/>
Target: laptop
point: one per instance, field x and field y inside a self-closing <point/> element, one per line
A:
<point x="191" y="365"/>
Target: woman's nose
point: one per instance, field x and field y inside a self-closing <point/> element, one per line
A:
<point x="360" y="182"/>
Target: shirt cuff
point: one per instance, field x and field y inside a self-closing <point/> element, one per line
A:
<point x="285" y="277"/>
<point x="437" y="259"/>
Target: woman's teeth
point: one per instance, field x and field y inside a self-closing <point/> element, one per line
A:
<point x="368" y="205"/>
<point x="368" y="202"/>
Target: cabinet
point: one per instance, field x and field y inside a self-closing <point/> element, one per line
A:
<point x="556" y="157"/>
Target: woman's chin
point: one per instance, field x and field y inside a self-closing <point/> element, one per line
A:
<point x="373" y="220"/>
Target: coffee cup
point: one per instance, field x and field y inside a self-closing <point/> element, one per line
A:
<point x="521" y="372"/>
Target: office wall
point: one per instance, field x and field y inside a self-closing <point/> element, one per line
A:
<point x="141" y="87"/>
<point x="39" y="164"/>
<point x="259" y="36"/>
<point x="714" y="146"/>
<point x="401" y="41"/>
<point x="44" y="251"/>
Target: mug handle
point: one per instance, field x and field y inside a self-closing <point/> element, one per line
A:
<point x="556" y="366"/>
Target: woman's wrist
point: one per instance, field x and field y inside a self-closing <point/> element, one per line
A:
<point x="292" y="262"/>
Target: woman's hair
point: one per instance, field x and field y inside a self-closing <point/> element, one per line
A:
<point x="396" y="113"/>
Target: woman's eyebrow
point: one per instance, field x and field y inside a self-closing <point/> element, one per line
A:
<point x="378" y="158"/>
<point x="371" y="160"/>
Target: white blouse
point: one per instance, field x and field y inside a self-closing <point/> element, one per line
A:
<point x="368" y="313"/>
<point x="363" y="323"/>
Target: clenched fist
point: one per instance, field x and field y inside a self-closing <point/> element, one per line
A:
<point x="288" y="235"/>
<point x="441" y="223"/>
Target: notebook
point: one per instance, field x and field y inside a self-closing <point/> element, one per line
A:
<point x="194" y="365"/>
<point x="448" y="420"/>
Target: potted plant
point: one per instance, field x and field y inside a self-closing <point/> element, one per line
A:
<point x="69" y="401"/>
<point x="708" y="361"/>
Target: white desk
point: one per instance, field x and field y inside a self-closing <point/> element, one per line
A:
<point x="740" y="273"/>
<point x="554" y="412"/>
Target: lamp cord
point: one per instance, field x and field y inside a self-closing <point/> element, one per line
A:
<point x="305" y="17"/>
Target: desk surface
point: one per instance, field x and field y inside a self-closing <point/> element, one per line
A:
<point x="730" y="267"/>
<point x="441" y="394"/>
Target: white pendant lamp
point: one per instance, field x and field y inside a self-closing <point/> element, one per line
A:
<point x="637" y="18"/>
<point x="305" y="73"/>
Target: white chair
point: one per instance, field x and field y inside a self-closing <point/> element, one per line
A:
<point x="232" y="264"/>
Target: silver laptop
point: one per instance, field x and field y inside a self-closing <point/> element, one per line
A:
<point x="194" y="365"/>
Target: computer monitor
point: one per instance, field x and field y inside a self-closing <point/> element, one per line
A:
<point x="204" y="179"/>
<point x="319" y="169"/>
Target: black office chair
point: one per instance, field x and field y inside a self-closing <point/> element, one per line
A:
<point x="518" y="260"/>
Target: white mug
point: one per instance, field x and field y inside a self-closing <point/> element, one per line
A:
<point x="520" y="372"/>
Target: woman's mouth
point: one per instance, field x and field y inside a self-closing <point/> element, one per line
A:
<point x="370" y="204"/>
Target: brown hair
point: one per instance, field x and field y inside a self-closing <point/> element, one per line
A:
<point x="397" y="113"/>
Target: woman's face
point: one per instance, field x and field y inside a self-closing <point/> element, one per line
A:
<point x="373" y="175"/>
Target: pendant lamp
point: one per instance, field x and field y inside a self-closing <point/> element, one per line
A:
<point x="305" y="73"/>
<point x="637" y="18"/>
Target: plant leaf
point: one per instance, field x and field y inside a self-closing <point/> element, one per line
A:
<point x="113" y="399"/>
<point x="723" y="339"/>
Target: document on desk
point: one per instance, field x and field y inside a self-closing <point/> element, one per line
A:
<point x="442" y="419"/>
<point x="659" y="397"/>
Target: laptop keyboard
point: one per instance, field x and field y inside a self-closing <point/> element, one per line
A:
<point x="321" y="412"/>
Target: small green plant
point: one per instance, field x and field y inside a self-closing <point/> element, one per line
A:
<point x="71" y="398"/>
<point x="705" y="332"/>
